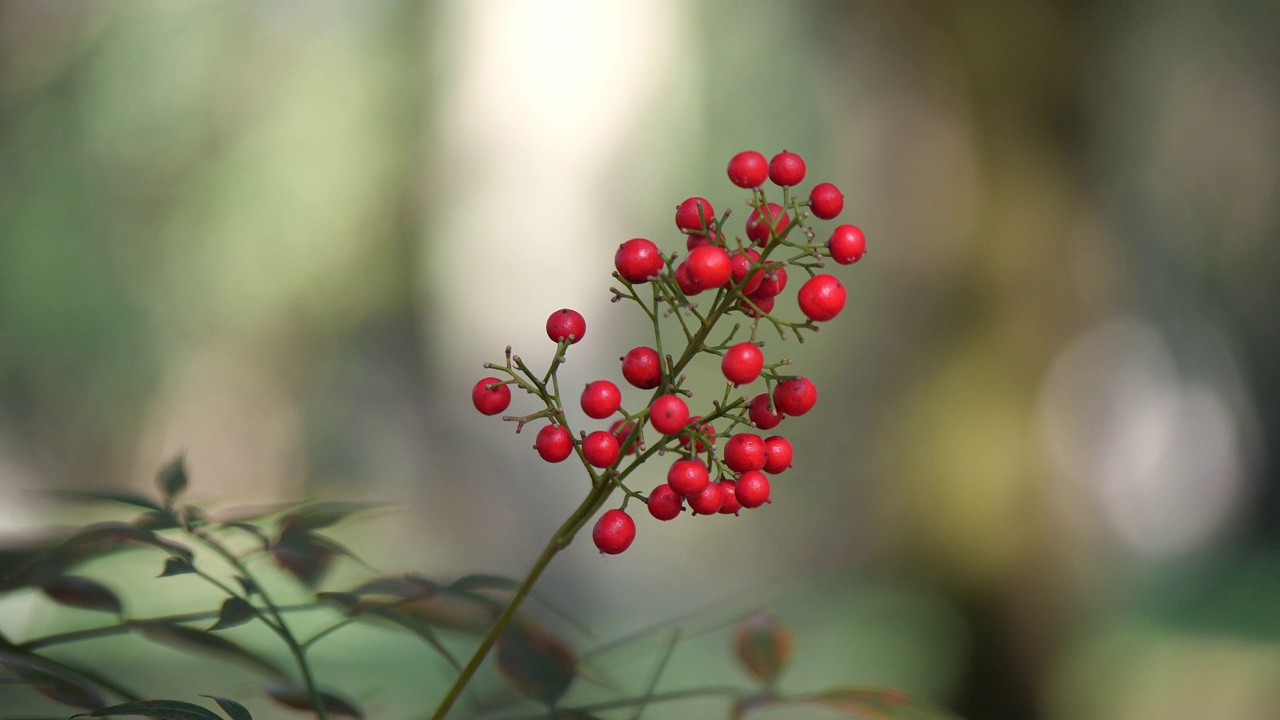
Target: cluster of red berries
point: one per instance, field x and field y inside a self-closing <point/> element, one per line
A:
<point x="747" y="277"/>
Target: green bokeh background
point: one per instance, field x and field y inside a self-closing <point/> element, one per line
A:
<point x="283" y="237"/>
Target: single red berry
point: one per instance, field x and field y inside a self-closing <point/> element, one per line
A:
<point x="621" y="429"/>
<point x="758" y="226"/>
<point x="786" y="169"/>
<point x="709" y="501"/>
<point x="847" y="244"/>
<point x="665" y="503"/>
<point x="490" y="397"/>
<point x="762" y="413"/>
<point x="821" y="297"/>
<point x="638" y="260"/>
<point x="642" y="367"/>
<point x="743" y="452"/>
<point x="601" y="399"/>
<point x="600" y="449"/>
<point x="729" y="504"/>
<point x="755" y="306"/>
<point x="686" y="283"/>
<point x="740" y="262"/>
<point x="774" y="282"/>
<point x="687" y="477"/>
<point x="753" y="489"/>
<point x="694" y="214"/>
<point x="795" y="397"/>
<point x="826" y="200"/>
<point x="668" y="414"/>
<point x="566" y="325"/>
<point x="709" y="267"/>
<point x="742" y="363"/>
<point x="777" y="454"/>
<point x="614" y="532"/>
<point x="706" y="430"/>
<point x="554" y="443"/>
<point x="748" y="169"/>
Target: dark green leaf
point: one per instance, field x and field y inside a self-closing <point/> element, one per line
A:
<point x="186" y="638"/>
<point x="538" y="663"/>
<point x="249" y="586"/>
<point x="233" y="709"/>
<point x="173" y="479"/>
<point x="80" y="592"/>
<point x="161" y="709"/>
<point x="298" y="553"/>
<point x="124" y="497"/>
<point x="764" y="645"/>
<point x="337" y="549"/>
<point x="317" y="516"/>
<point x="51" y="680"/>
<point x="401" y="586"/>
<point x="177" y="566"/>
<point x="235" y="611"/>
<point x="471" y="583"/>
<point x="299" y="698"/>
<point x="158" y="520"/>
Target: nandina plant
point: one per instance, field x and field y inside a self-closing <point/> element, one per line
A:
<point x="719" y="293"/>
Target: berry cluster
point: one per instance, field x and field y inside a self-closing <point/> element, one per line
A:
<point x="746" y="274"/>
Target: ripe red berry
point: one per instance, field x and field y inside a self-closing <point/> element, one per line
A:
<point x="777" y="454"/>
<point x="821" y="297"/>
<point x="687" y="477"/>
<point x="668" y="414"/>
<point x="742" y="363"/>
<point x="786" y="169"/>
<point x="758" y="225"/>
<point x="761" y="413"/>
<point x="637" y="260"/>
<point x="743" y="452"/>
<point x="740" y="262"/>
<point x="694" y="214"/>
<point x="753" y="489"/>
<point x="600" y="449"/>
<point x="601" y="399"/>
<point x="795" y="397"/>
<point x="490" y="397"/>
<point x="729" y="504"/>
<point x="755" y="306"/>
<point x="706" y="430"/>
<point x="642" y="367"/>
<point x="614" y="532"/>
<point x="665" y="503"/>
<point x="774" y="282"/>
<point x="554" y="443"/>
<point x="566" y="325"/>
<point x="748" y="169"/>
<point x="709" y="267"/>
<point x="686" y="283"/>
<point x="826" y="200"/>
<point x="709" y="501"/>
<point x="847" y="244"/>
<point x="621" y="429"/>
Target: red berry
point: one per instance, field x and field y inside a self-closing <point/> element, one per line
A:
<point x="826" y="200"/>
<point x="706" y="430"/>
<point x="758" y="225"/>
<point x="742" y="363"/>
<point x="774" y="282"/>
<point x="709" y="267"/>
<point x="755" y="306"/>
<point x="743" y="452"/>
<point x="777" y="454"/>
<point x="753" y="489"/>
<point x="795" y="397"/>
<point x="688" y="216"/>
<point x="614" y="532"/>
<point x="490" y="397"/>
<point x="642" y="367"/>
<point x="748" y="169"/>
<point x="821" y="297"/>
<point x="709" y="501"/>
<point x="601" y="399"/>
<point x="688" y="477"/>
<point x="668" y="414"/>
<point x="740" y="262"/>
<point x="554" y="443"/>
<point x="600" y="449"/>
<point x="665" y="503"/>
<point x="686" y="283"/>
<point x="621" y="429"/>
<point x="786" y="169"/>
<point x="566" y="325"/>
<point x="762" y="414"/>
<point x="847" y="244"/>
<point x="729" y="504"/>
<point x="637" y="260"/>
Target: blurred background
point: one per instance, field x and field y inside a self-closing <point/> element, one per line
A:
<point x="283" y="238"/>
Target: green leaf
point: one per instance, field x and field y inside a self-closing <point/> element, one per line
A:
<point x="538" y="663"/>
<point x="472" y="583"/>
<point x="172" y="479"/>
<point x="317" y="516"/>
<point x="235" y="611"/>
<point x="81" y="592"/>
<point x="297" y="552"/>
<point x="176" y="566"/>
<point x="764" y="646"/>
<point x="51" y="680"/>
<point x="233" y="709"/>
<point x="162" y="709"/>
<point x="299" y="698"/>
<point x="185" y="638"/>
<point x="124" y="497"/>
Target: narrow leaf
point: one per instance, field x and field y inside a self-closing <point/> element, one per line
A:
<point x="81" y="592"/>
<point x="173" y="479"/>
<point x="123" y="497"/>
<point x="235" y="611"/>
<point x="299" y="698"/>
<point x="161" y="709"/>
<point x="176" y="566"/>
<point x="471" y="583"/>
<point x="537" y="663"/>
<point x="185" y="638"/>
<point x="418" y="627"/>
<point x="297" y="552"/>
<point x="316" y="516"/>
<point x="763" y="645"/>
<point x="52" y="681"/>
<point x="233" y="709"/>
<point x="249" y="586"/>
